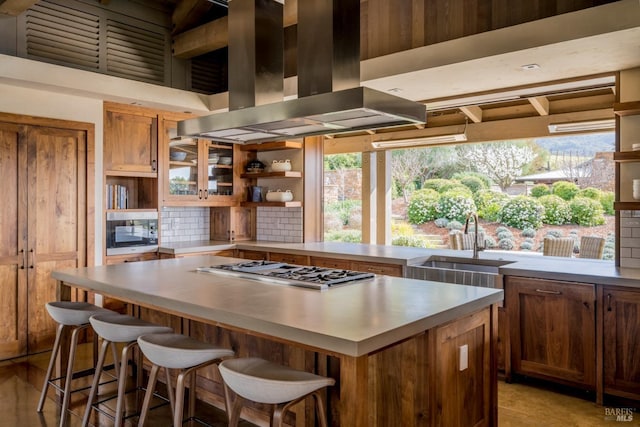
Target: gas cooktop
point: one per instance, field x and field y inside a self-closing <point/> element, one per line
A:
<point x="288" y="274"/>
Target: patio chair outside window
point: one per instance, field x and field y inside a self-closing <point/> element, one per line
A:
<point x="591" y="247"/>
<point x="558" y="247"/>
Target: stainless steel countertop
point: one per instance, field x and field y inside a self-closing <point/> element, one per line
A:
<point x="354" y="320"/>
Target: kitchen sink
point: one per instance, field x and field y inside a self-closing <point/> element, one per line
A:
<point x="461" y="271"/>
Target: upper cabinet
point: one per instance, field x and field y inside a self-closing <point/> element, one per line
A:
<point x="198" y="172"/>
<point x="131" y="141"/>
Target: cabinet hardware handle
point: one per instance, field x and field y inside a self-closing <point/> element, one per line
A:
<point x="233" y="235"/>
<point x="32" y="254"/>
<point x="200" y="194"/>
<point x="543" y="291"/>
<point x="154" y="165"/>
<point x="206" y="194"/>
<point x="24" y="259"/>
<point x="608" y="302"/>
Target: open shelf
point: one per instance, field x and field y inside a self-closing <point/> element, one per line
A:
<point x="626" y="108"/>
<point x="626" y="156"/>
<point x="221" y="147"/>
<point x="287" y="174"/>
<point x="292" y="204"/>
<point x="271" y="146"/>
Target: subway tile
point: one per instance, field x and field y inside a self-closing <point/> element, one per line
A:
<point x="626" y="232"/>
<point x="625" y="252"/>
<point x="628" y="242"/>
<point x="629" y="222"/>
<point x="630" y="262"/>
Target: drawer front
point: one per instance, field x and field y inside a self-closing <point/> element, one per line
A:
<point x="342" y="264"/>
<point x="257" y="255"/>
<point x="289" y="258"/>
<point x="377" y="268"/>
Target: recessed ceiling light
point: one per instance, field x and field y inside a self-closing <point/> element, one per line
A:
<point x="529" y="67"/>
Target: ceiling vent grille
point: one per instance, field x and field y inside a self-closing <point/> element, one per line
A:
<point x="135" y="53"/>
<point x="63" y="35"/>
<point x="209" y="72"/>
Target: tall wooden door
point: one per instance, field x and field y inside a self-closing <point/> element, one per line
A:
<point x="13" y="247"/>
<point x="42" y="228"/>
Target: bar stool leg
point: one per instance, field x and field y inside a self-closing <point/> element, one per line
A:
<point x="172" y="399"/>
<point x="322" y="416"/>
<point x="67" y="384"/>
<point x="177" y="414"/>
<point x="153" y="375"/>
<point x="122" y="384"/>
<point x="192" y="395"/>
<point x="233" y="407"/>
<point x="52" y="361"/>
<point x="96" y="381"/>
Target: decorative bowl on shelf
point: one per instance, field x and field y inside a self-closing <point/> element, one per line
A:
<point x="281" y="165"/>
<point x="225" y="160"/>
<point x="214" y="158"/>
<point x="279" y="196"/>
<point x="255" y="166"/>
<point x="177" y="156"/>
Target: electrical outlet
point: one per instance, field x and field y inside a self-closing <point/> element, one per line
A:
<point x="464" y="357"/>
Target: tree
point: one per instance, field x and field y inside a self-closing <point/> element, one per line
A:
<point x="406" y="167"/>
<point x="500" y="161"/>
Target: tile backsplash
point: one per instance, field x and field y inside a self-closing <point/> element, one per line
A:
<point x="184" y="224"/>
<point x="629" y="239"/>
<point x="279" y="224"/>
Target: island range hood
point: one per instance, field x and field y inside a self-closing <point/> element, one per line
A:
<point x="330" y="98"/>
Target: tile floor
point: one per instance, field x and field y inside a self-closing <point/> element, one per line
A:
<point x="519" y="405"/>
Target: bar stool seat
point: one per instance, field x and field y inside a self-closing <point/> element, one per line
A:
<point x="73" y="314"/>
<point x="265" y="382"/>
<point x="118" y="328"/>
<point x="175" y="351"/>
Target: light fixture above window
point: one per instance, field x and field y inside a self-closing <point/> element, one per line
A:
<point x="588" y="125"/>
<point x="437" y="139"/>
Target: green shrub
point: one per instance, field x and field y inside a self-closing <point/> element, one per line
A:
<point x="349" y="236"/>
<point x="556" y="210"/>
<point x="441" y="222"/>
<point x="528" y="232"/>
<point x="540" y="190"/>
<point x="526" y="246"/>
<point x="501" y="228"/>
<point x="454" y="225"/>
<point x="554" y="233"/>
<point x="565" y="189"/>
<point x="486" y="181"/>
<point x="344" y="209"/>
<point x="401" y="229"/>
<point x="422" y="206"/>
<point x="474" y="183"/>
<point x="489" y="203"/>
<point x="436" y="184"/>
<point x="606" y="200"/>
<point x="590" y="193"/>
<point x="506" y="244"/>
<point x="455" y="205"/>
<point x="586" y="212"/>
<point x="529" y="240"/>
<point x="413" y="241"/>
<point x="522" y="212"/>
<point x="506" y="234"/>
<point x="489" y="242"/>
<point x="609" y="254"/>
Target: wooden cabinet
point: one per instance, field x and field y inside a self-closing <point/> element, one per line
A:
<point x="119" y="259"/>
<point x="43" y="218"/>
<point x="378" y="268"/>
<point x="198" y="172"/>
<point x="289" y="258"/>
<point x="621" y="341"/>
<point x="247" y="254"/>
<point x="552" y="327"/>
<point x="232" y="223"/>
<point x="130" y="140"/>
<point x="343" y="264"/>
<point x="275" y="180"/>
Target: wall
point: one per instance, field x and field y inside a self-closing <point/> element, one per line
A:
<point x="279" y="224"/>
<point x="186" y="224"/>
<point x="18" y="100"/>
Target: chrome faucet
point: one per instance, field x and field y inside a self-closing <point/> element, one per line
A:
<point x="476" y="243"/>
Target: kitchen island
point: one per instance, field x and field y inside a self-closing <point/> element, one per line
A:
<point x="404" y="352"/>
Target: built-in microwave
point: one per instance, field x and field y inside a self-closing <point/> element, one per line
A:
<point x="131" y="232"/>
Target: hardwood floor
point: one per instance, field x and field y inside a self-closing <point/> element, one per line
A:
<point x="519" y="405"/>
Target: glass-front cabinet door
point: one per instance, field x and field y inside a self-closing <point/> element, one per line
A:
<point x="184" y="168"/>
<point x="219" y="169"/>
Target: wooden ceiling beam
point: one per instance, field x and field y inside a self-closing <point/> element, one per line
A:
<point x="187" y="14"/>
<point x="473" y="112"/>
<point x="498" y="130"/>
<point x="541" y="104"/>
<point x="15" y="7"/>
<point x="213" y="35"/>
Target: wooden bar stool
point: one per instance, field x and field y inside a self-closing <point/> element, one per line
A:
<point x="261" y="381"/>
<point x="118" y="328"/>
<point x="175" y="351"/>
<point x="76" y="315"/>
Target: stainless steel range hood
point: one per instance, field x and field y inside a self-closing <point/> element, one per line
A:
<point x="330" y="99"/>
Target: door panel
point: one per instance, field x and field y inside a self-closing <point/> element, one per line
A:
<point x="13" y="278"/>
<point x="56" y="229"/>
